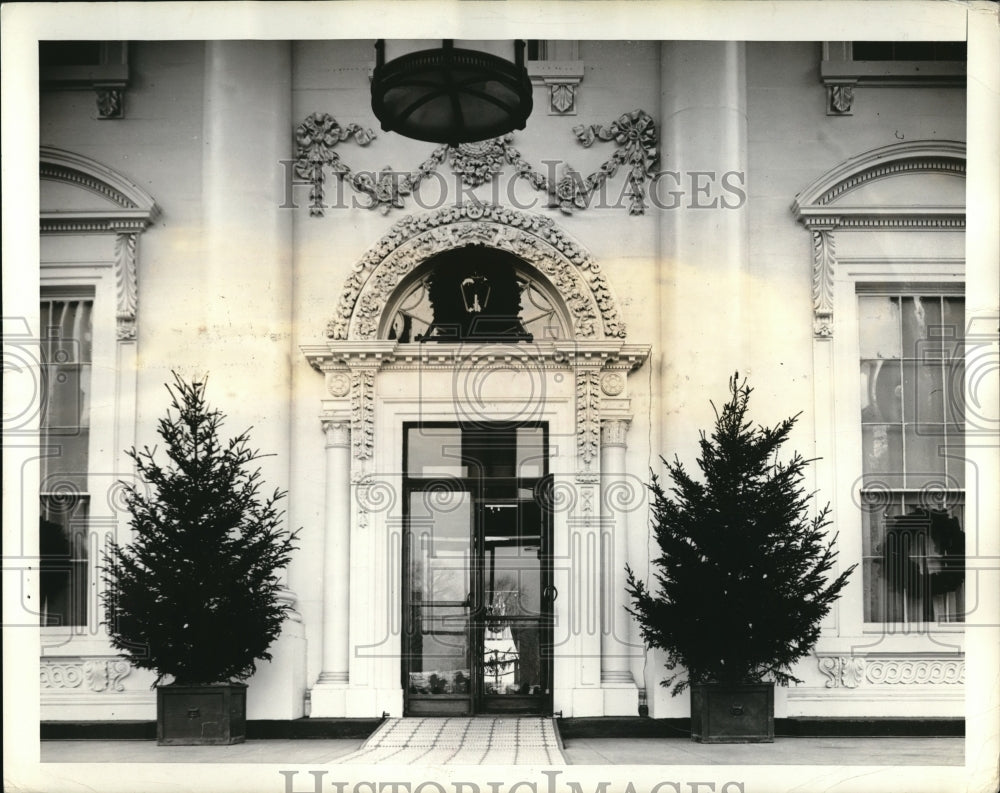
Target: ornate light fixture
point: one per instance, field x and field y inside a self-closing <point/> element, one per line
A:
<point x="475" y="293"/>
<point x="450" y="94"/>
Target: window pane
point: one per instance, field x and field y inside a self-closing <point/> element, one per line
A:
<point x="530" y="452"/>
<point x="955" y="395"/>
<point x="914" y="561"/>
<point x="924" y="460"/>
<point x="923" y="385"/>
<point x="434" y="451"/>
<point x="882" y="394"/>
<point x="62" y="543"/>
<point x="878" y="321"/>
<point x="65" y="464"/>
<point x="65" y="420"/>
<point x="438" y="650"/>
<point x="882" y="447"/>
<point x="920" y="316"/>
<point x="440" y="539"/>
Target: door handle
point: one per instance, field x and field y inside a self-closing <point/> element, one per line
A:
<point x="551" y="593"/>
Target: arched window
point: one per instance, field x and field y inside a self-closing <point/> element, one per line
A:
<point x="475" y="293"/>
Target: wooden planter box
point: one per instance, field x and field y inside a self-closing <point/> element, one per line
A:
<point x="201" y="715"/>
<point x="732" y="714"/>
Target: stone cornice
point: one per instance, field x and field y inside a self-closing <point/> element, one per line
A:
<point x="337" y="355"/>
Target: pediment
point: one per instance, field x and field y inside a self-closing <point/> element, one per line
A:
<point x="912" y="184"/>
<point x="82" y="195"/>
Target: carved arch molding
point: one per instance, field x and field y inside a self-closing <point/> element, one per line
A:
<point x="596" y="354"/>
<point x="568" y="268"/>
<point x="826" y="207"/>
<point x="122" y="208"/>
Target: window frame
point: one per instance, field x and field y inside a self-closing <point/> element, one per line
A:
<point x="858" y="243"/>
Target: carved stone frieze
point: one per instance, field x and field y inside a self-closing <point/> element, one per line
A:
<point x="363" y="413"/>
<point x="634" y="134"/>
<point x="858" y="671"/>
<point x="571" y="270"/>
<point x="97" y="675"/>
<point x="126" y="286"/>
<point x="588" y="421"/>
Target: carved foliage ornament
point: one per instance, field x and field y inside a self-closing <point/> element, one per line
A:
<point x="362" y="414"/>
<point x="588" y="420"/>
<point x="126" y="285"/>
<point x="824" y="261"/>
<point x="575" y="275"/>
<point x="634" y="134"/>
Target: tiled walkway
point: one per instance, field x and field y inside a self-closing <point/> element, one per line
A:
<point x="501" y="740"/>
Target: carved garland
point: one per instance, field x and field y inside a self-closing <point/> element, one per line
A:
<point x="852" y="672"/>
<point x="572" y="271"/>
<point x="476" y="163"/>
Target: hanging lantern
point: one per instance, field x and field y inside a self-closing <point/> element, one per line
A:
<point x="458" y="92"/>
<point x="475" y="293"/>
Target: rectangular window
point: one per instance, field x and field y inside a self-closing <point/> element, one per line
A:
<point x="66" y="345"/>
<point x="912" y="428"/>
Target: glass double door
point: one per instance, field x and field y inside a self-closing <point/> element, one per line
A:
<point x="477" y="630"/>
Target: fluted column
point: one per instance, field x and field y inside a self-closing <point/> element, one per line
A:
<point x="614" y="553"/>
<point x="336" y="553"/>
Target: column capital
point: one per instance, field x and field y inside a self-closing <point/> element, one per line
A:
<point x="613" y="432"/>
<point x="337" y="430"/>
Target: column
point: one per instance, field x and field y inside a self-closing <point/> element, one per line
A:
<point x="706" y="326"/>
<point x="328" y="697"/>
<point x="336" y="553"/>
<point x="246" y="260"/>
<point x="247" y="242"/>
<point x="621" y="693"/>
<point x="705" y="239"/>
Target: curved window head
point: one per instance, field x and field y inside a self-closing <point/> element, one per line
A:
<point x="475" y="293"/>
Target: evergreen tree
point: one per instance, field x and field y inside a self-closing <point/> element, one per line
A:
<point x="742" y="571"/>
<point x="195" y="595"/>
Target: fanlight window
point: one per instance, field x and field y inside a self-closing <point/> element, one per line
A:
<point x="475" y="294"/>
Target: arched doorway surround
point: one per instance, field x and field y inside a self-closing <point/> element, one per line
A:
<point x="375" y="385"/>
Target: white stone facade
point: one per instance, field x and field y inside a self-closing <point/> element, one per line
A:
<point x="745" y="213"/>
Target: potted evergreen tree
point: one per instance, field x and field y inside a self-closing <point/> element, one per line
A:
<point x="195" y="595"/>
<point x="741" y="581"/>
